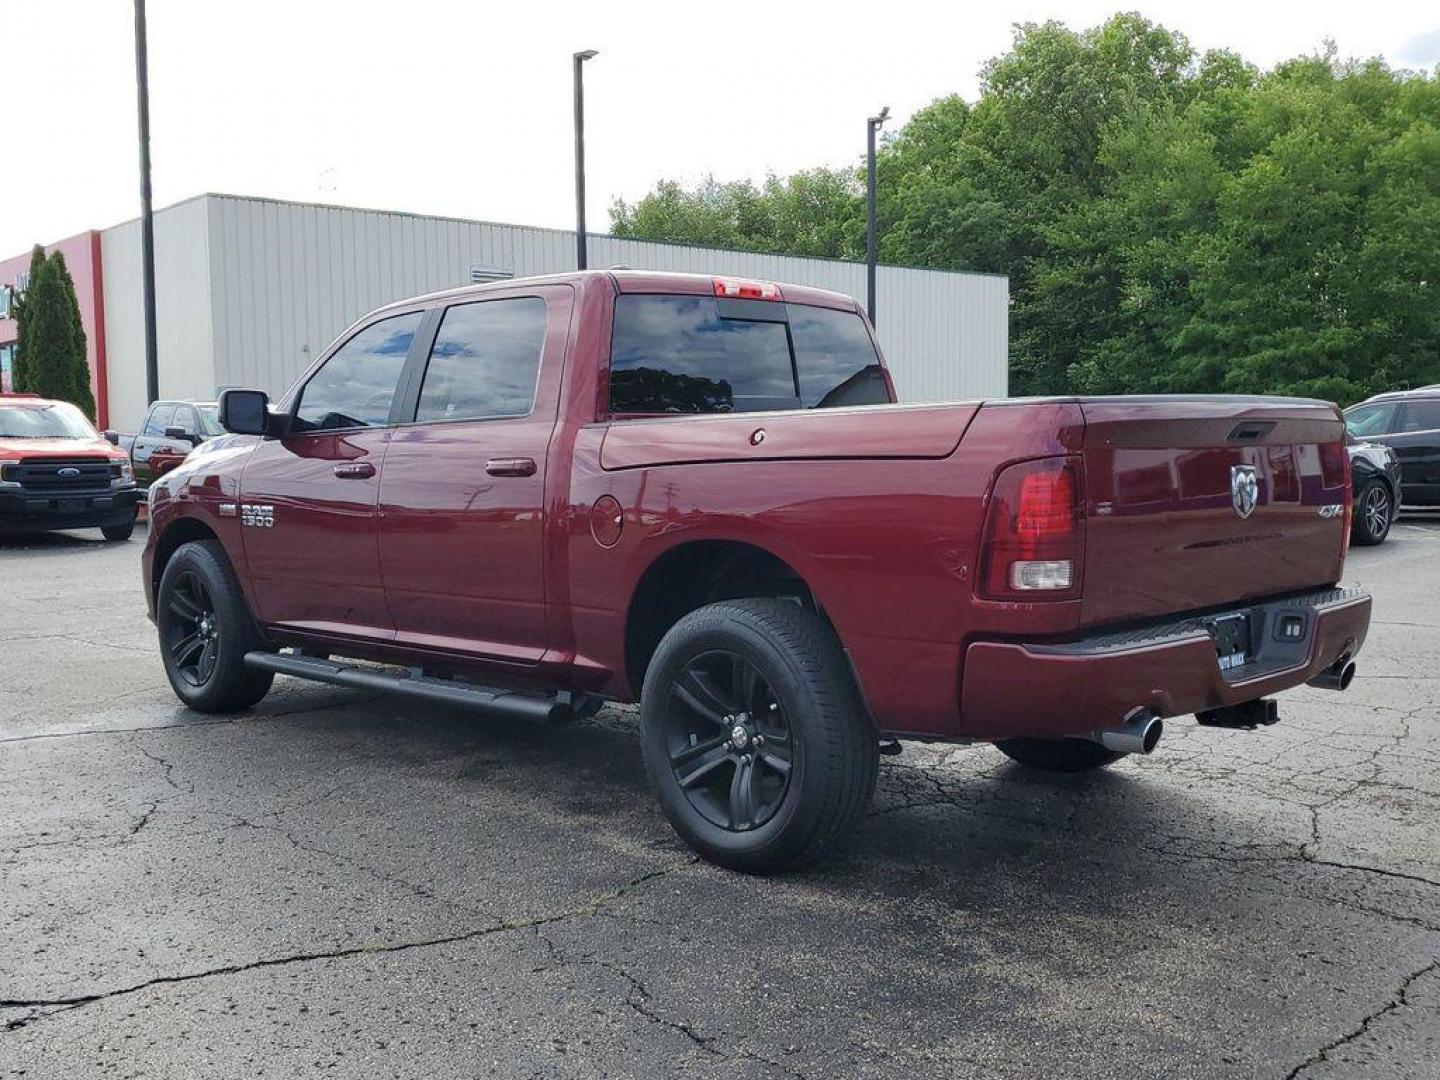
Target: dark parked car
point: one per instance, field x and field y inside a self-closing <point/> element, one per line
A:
<point x="1407" y="421"/>
<point x="171" y="430"/>
<point x="1375" y="484"/>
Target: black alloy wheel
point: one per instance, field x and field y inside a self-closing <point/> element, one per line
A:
<point x="205" y="630"/>
<point x="730" y="744"/>
<point x="755" y="737"/>
<point x="192" y="631"/>
<point x="1374" y="513"/>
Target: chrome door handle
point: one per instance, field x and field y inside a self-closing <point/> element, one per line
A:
<point x="354" y="470"/>
<point x="511" y="466"/>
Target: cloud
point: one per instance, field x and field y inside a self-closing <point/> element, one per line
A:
<point x="1421" y="50"/>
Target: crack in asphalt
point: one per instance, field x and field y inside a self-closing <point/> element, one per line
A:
<point x="76" y="640"/>
<point x="241" y="719"/>
<point x="365" y="868"/>
<point x="42" y="1008"/>
<point x="641" y="1001"/>
<point x="1399" y="1001"/>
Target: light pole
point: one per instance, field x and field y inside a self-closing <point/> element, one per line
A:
<point x="147" y="217"/>
<point x="580" y="254"/>
<point x="874" y="124"/>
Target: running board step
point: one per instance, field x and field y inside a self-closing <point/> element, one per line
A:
<point x="556" y="708"/>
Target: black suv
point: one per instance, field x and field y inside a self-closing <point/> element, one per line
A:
<point x="1407" y="421"/>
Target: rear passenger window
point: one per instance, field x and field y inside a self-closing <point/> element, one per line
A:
<point x="700" y="354"/>
<point x="1422" y="415"/>
<point x="485" y="361"/>
<point x="355" y="386"/>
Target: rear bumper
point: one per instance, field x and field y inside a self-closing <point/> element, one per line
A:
<point x="22" y="511"/>
<point x="1170" y="668"/>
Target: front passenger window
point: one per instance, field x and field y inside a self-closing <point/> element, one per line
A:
<point x="355" y="386"/>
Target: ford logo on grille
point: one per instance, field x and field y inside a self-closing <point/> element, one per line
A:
<point x="69" y="472"/>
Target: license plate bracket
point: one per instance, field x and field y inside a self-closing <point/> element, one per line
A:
<point x="1231" y="634"/>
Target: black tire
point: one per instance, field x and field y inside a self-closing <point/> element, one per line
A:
<point x="790" y="679"/>
<point x="121" y="531"/>
<point x="1374" y="514"/>
<point x="205" y="631"/>
<point x="1058" y="755"/>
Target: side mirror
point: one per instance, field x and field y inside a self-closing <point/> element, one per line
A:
<point x="246" y="412"/>
<point x="112" y="437"/>
<point x="181" y="434"/>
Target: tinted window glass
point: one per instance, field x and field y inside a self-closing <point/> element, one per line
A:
<point x="209" y="420"/>
<point x="355" y="386"/>
<point x="184" y="418"/>
<point x="1369" y="419"/>
<point x="484" y="361"/>
<point x="159" y="420"/>
<point x="1421" y="415"/>
<point x="835" y="359"/>
<point x="675" y="354"/>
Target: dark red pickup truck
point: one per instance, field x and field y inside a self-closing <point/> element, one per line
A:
<point x="696" y="492"/>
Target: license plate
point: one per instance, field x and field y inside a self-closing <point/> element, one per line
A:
<point x="70" y="506"/>
<point x="1231" y="634"/>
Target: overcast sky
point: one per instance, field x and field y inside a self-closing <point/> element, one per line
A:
<point x="463" y="107"/>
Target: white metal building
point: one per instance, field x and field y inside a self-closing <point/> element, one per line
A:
<point x="251" y="290"/>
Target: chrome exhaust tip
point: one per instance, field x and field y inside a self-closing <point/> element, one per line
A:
<point x="1139" y="734"/>
<point x="1338" y="676"/>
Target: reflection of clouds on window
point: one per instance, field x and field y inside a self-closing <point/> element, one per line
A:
<point x="675" y="353"/>
<point x="484" y="361"/>
<point x="397" y="344"/>
<point x="670" y="353"/>
<point x="356" y="385"/>
<point x="835" y="359"/>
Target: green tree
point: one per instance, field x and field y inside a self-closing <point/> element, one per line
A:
<point x="50" y="358"/>
<point x="818" y="212"/>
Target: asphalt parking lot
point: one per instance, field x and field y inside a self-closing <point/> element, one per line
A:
<point x="344" y="882"/>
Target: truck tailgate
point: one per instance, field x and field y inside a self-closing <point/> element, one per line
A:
<point x="1169" y="521"/>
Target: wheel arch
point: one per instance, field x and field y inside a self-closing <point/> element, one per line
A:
<point x="181" y="531"/>
<point x="696" y="572"/>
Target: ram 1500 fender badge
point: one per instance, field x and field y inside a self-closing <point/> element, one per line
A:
<point x="607" y="521"/>
<point x="1244" y="489"/>
<point x="258" y="515"/>
<point x="1333" y="510"/>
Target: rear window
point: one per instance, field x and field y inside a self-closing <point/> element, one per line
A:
<point x="702" y="354"/>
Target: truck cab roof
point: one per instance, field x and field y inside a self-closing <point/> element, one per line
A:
<point x="641" y="281"/>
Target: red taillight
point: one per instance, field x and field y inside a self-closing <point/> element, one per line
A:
<point x="1034" y="542"/>
<point x="747" y="290"/>
<point x="1334" y="465"/>
<point x="1335" y="473"/>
